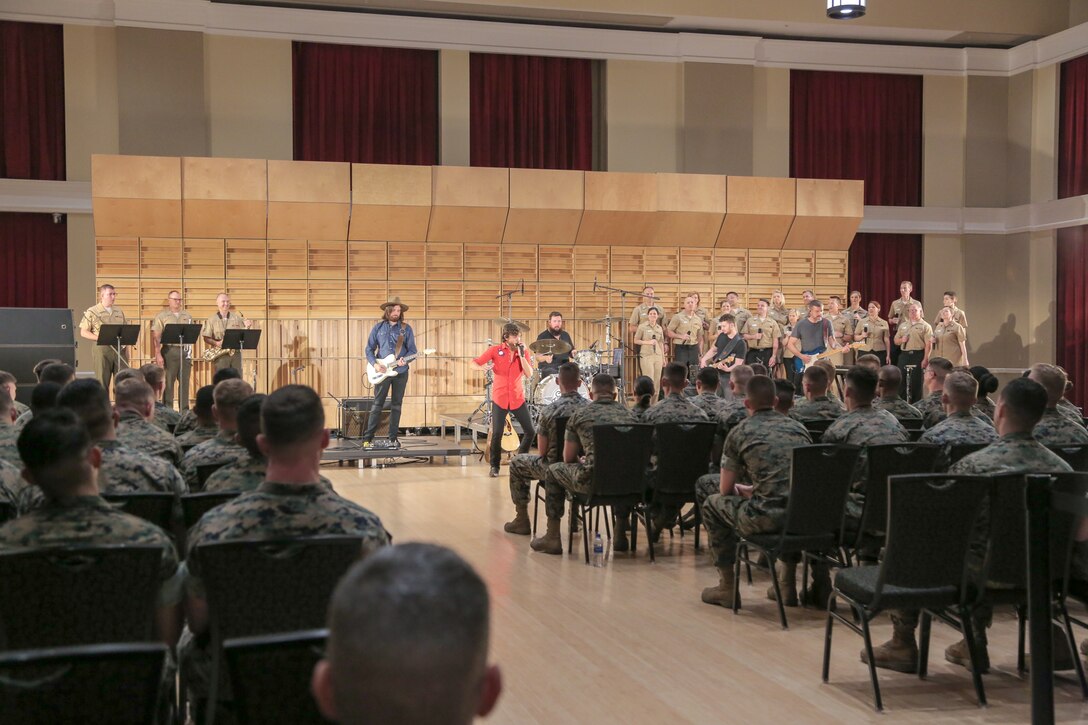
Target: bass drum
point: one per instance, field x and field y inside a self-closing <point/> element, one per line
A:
<point x="547" y="390"/>
<point x="589" y="361"/>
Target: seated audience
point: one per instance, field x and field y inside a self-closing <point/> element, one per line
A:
<point x="126" y="374"/>
<point x="961" y="427"/>
<point x="223" y="448"/>
<point x="155" y="376"/>
<point x="42" y="398"/>
<point x="63" y="463"/>
<point x="9" y="435"/>
<point x="409" y="614"/>
<point x="134" y="402"/>
<point x="1055" y="428"/>
<point x="188" y="419"/>
<point x="753" y="487"/>
<point x="817" y="404"/>
<point x="644" y="395"/>
<point x="887" y="390"/>
<point x="987" y="384"/>
<point x="59" y="373"/>
<point x="247" y="473"/>
<point x="1065" y="406"/>
<point x="732" y="415"/>
<point x="869" y="360"/>
<point x="11" y="385"/>
<point x="205" y="428"/>
<point x="933" y="386"/>
<point x="784" y="392"/>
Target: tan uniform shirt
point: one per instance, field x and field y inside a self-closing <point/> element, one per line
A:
<point x="946" y="342"/>
<point x="638" y="315"/>
<point x="874" y="333"/>
<point x="166" y="317"/>
<point x="215" y="326"/>
<point x="770" y="330"/>
<point x="647" y="332"/>
<point x="958" y="317"/>
<point x="690" y="326"/>
<point x="96" y="316"/>
<point x="841" y="325"/>
<point x="898" y="309"/>
<point x="781" y="315"/>
<point x="918" y="333"/>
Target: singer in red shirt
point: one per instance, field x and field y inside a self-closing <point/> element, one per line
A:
<point x="510" y="365"/>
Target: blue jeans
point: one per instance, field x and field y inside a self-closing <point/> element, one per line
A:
<point x="398" y="383"/>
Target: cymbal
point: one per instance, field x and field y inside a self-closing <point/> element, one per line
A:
<point x="607" y="320"/>
<point x="500" y="321"/>
<point x="550" y="347"/>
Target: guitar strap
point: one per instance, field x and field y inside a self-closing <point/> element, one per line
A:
<point x="400" y="342"/>
<point x="729" y="348"/>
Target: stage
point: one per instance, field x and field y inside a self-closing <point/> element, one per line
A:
<point x="413" y="448"/>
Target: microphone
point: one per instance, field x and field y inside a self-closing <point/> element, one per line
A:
<point x="299" y="369"/>
<point x="594" y="283"/>
<point x="523" y="286"/>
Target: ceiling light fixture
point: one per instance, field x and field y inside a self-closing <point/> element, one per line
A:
<point x="845" y="9"/>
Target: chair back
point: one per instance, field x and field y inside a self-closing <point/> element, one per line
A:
<point x="891" y="459"/>
<point x="817" y="427"/>
<point x="195" y="505"/>
<point x="960" y="450"/>
<point x="683" y="450"/>
<point x="1069" y="504"/>
<point x="930" y="520"/>
<point x="621" y="455"/>
<point x="8" y="511"/>
<point x="156" y="507"/>
<point x="911" y="423"/>
<point x="204" y="472"/>
<point x="101" y="684"/>
<point x="1075" y="455"/>
<point x="240" y="577"/>
<point x="560" y="437"/>
<point x="820" y="477"/>
<point x="271" y="677"/>
<point x="42" y="592"/>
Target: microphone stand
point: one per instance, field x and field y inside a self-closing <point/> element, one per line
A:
<point x="510" y="299"/>
<point x="608" y="330"/>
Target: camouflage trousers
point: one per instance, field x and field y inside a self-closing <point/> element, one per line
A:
<point x="195" y="662"/>
<point x="728" y="517"/>
<point x="563" y="477"/>
<point x="705" y="487"/>
<point x="525" y="467"/>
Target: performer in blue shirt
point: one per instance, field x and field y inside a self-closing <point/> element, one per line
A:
<point x="392" y="336"/>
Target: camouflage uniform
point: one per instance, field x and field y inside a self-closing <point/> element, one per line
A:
<point x="526" y="467"/>
<point x="9" y="449"/>
<point x="196" y="436"/>
<point x="23" y="419"/>
<point x="673" y="409"/>
<point x="987" y="407"/>
<point x="245" y="474"/>
<point x="165" y="417"/>
<point x="186" y="423"/>
<point x="125" y="470"/>
<point x="760" y="452"/>
<point x="958" y="429"/>
<point x="819" y="408"/>
<point x="90" y="520"/>
<point x="712" y="404"/>
<point x="223" y="448"/>
<point x="9" y="483"/>
<point x="1070" y="411"/>
<point x="146" y="437"/>
<point x="21" y="408"/>
<point x="865" y="426"/>
<point x="273" y="511"/>
<point x="576" y="477"/>
<point x="901" y="409"/>
<point x="931" y="408"/>
<point x="1055" y="429"/>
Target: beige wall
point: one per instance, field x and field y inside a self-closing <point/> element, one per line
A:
<point x="644" y="113"/>
<point x="453" y="107"/>
<point x="771" y="122"/>
<point x="249" y="98"/>
<point x="718" y="117"/>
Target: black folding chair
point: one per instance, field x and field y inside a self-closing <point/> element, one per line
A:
<point x="238" y="576"/>
<point x="560" y="433"/>
<point x="621" y="454"/>
<point x="156" y="507"/>
<point x="204" y="472"/>
<point x="820" y="477"/>
<point x="100" y="684"/>
<point x="683" y="452"/>
<point x="271" y="676"/>
<point x="40" y="589"/>
<point x="957" y="452"/>
<point x="8" y="511"/>
<point x="195" y="505"/>
<point x="930" y="521"/>
<point x="888" y="459"/>
<point x="816" y="428"/>
<point x="1075" y="455"/>
<point x="911" y="423"/>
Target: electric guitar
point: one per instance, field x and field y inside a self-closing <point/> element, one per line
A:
<point x="720" y="364"/>
<point x="389" y="361"/>
<point x="813" y="357"/>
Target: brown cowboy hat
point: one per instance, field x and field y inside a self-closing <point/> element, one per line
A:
<point x="394" y="301"/>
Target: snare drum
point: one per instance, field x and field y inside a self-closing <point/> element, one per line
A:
<point x="547" y="391"/>
<point x="588" y="361"/>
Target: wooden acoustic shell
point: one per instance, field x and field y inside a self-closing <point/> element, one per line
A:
<point x="545" y="206"/>
<point x="390" y="202"/>
<point x="829" y="212"/>
<point x="136" y="195"/>
<point x="760" y="212"/>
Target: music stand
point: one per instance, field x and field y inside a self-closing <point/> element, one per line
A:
<point x="115" y="336"/>
<point x="241" y="339"/>
<point x="186" y="335"/>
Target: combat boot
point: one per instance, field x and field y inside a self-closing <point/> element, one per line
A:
<point x="819" y="591"/>
<point x="619" y="543"/>
<point x="520" y="524"/>
<point x="958" y="654"/>
<point x="787" y="583"/>
<point x="722" y="594"/>
<point x="551" y="542"/>
<point x="900" y="653"/>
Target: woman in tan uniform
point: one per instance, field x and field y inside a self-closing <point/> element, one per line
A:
<point x="950" y="339"/>
<point x="778" y="311"/>
<point x="786" y="368"/>
<point x="874" y="332"/>
<point x="650" y="338"/>
<point x="701" y="311"/>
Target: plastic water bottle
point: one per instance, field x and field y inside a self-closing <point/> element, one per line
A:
<point x="598" y="551"/>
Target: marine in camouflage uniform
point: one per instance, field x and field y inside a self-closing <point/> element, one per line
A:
<point x="144" y="436"/>
<point x="987" y="407"/>
<point x="958" y="429"/>
<point x="864" y="426"/>
<point x="165" y="417"/>
<point x="526" y="467"/>
<point x="1070" y="411"/>
<point x="21" y="408"/>
<point x="23" y="419"/>
<point x="9" y="450"/>
<point x="901" y="409"/>
<point x="273" y="511"/>
<point x="196" y="436"/>
<point x="1055" y="429"/>
<point x="246" y="474"/>
<point x="9" y="482"/>
<point x="712" y="404"/>
<point x="931" y="408"/>
<point x="187" y="422"/>
<point x="673" y="409"/>
<point x="760" y="452"/>
<point x="223" y="448"/>
<point x="125" y="470"/>
<point x="822" y="407"/>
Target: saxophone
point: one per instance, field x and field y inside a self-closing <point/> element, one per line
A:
<point x="211" y="354"/>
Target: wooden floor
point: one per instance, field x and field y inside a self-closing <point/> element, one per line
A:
<point x="632" y="642"/>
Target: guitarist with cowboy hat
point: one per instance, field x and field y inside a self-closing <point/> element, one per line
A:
<point x="811" y="336"/>
<point x="391" y="336"/>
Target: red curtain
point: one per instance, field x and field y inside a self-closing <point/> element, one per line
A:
<point x="365" y="105"/>
<point x="864" y="126"/>
<point x="531" y="112"/>
<point x="31" y="101"/>
<point x="1071" y="293"/>
<point x="33" y="261"/>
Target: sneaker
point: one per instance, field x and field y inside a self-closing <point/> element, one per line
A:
<point x="494" y="472"/>
<point x="394" y="443"/>
<point x="367" y="445"/>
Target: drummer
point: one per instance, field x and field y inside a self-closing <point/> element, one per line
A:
<point x="548" y="363"/>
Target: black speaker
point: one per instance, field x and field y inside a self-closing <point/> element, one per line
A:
<point x="31" y="334"/>
<point x="355" y="416"/>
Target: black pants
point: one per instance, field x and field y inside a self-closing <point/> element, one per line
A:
<point x="687" y="355"/>
<point x="913" y="358"/>
<point x="398" y="383"/>
<point x="763" y="357"/>
<point x="498" y="423"/>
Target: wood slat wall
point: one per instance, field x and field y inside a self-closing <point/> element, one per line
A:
<point x="316" y="300"/>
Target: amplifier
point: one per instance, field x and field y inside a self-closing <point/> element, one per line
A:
<point x="31" y="334"/>
<point x="355" y="416"/>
